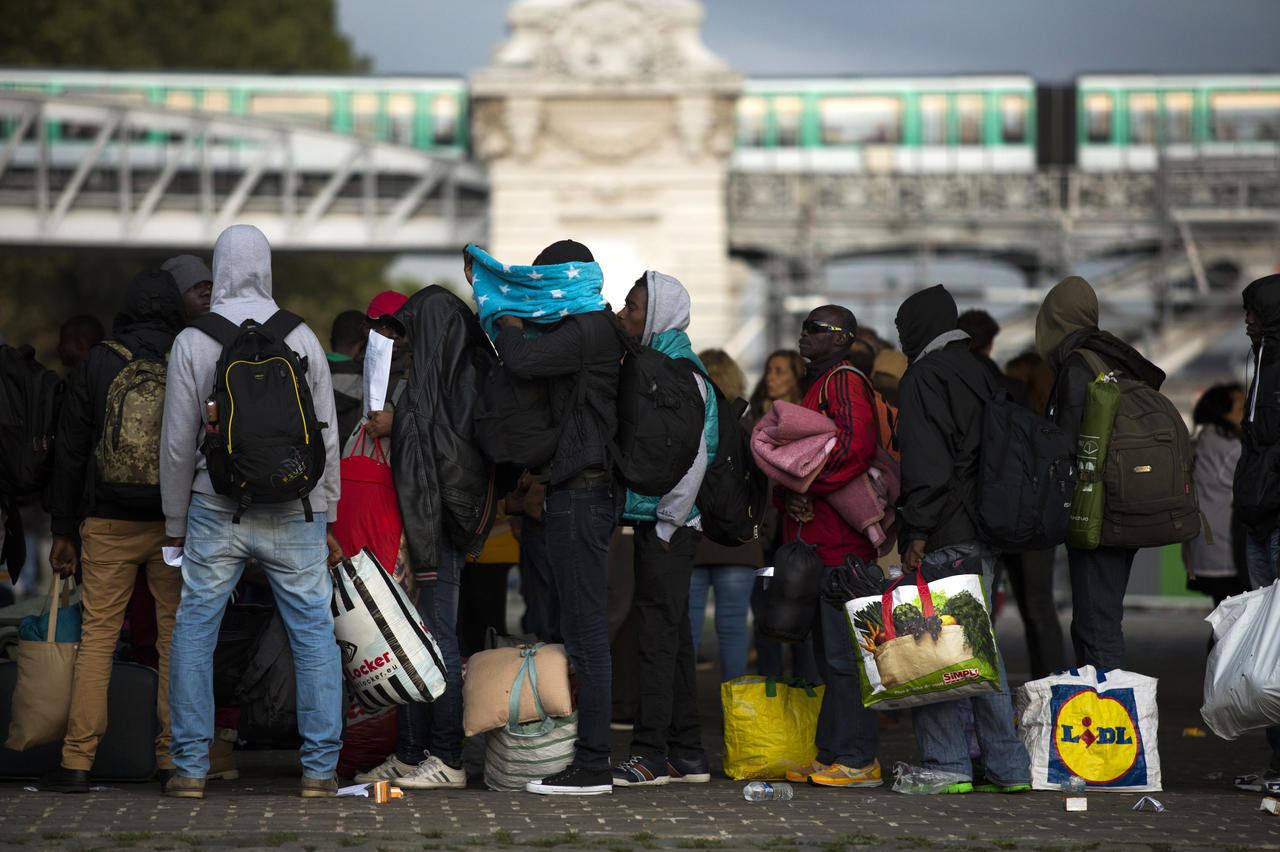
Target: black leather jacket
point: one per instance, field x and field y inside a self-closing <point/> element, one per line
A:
<point x="444" y="484"/>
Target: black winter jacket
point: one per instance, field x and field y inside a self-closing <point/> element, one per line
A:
<point x="587" y="346"/>
<point x="149" y="317"/>
<point x="1257" y="478"/>
<point x="1066" y="399"/>
<point x="444" y="484"/>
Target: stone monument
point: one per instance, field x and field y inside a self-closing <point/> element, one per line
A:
<point x="610" y="122"/>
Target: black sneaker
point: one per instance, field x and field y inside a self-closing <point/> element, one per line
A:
<point x="688" y="770"/>
<point x="574" y="782"/>
<point x="639" y="771"/>
<point x="63" y="780"/>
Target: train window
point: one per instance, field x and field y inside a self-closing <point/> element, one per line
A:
<point x="216" y="100"/>
<point x="1097" y="118"/>
<point x="1245" y="116"/>
<point x="1142" y="118"/>
<point x="300" y="108"/>
<point x="933" y="119"/>
<point x="180" y="100"/>
<point x="787" y="113"/>
<point x="444" y="118"/>
<point x="1177" y="117"/>
<point x="871" y="120"/>
<point x="1013" y="119"/>
<point x="969" y="119"/>
<point x="750" y="118"/>
<point x="364" y="114"/>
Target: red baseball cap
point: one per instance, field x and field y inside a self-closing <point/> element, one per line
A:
<point x="386" y="303"/>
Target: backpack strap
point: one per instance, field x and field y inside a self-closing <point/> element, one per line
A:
<point x="218" y="327"/>
<point x="281" y="323"/>
<point x="871" y="399"/>
<point x="119" y="348"/>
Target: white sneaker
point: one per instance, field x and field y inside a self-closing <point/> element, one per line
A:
<point x="432" y="773"/>
<point x="388" y="770"/>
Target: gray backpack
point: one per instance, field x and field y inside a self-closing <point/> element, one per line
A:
<point x="1150" y="490"/>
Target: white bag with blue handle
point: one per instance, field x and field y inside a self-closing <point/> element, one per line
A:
<point x="530" y="751"/>
<point x="1242" y="675"/>
<point x="1099" y="725"/>
<point x="388" y="655"/>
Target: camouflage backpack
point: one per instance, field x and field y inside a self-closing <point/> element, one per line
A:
<point x="128" y="453"/>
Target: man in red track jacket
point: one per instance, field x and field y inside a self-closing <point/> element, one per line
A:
<point x="847" y="736"/>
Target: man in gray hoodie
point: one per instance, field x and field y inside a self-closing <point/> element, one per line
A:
<point x="292" y="550"/>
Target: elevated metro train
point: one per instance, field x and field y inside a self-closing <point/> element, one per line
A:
<point x="971" y="123"/>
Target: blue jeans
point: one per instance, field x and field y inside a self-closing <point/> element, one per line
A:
<point x="1098" y="581"/>
<point x="435" y="727"/>
<point x="939" y="731"/>
<point x="848" y="732"/>
<point x="293" y="555"/>
<point x="1262" y="556"/>
<point x="578" y="523"/>
<point x="732" y="585"/>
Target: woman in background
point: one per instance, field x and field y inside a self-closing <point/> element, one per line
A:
<point x="1215" y="569"/>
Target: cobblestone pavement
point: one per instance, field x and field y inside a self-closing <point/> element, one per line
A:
<point x="261" y="810"/>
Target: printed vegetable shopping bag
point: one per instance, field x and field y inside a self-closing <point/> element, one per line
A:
<point x="1242" y="676"/>
<point x="1098" y="725"/>
<point x="924" y="642"/>
<point x="769" y="726"/>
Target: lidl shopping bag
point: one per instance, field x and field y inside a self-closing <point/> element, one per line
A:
<point x="387" y="653"/>
<point x="769" y="726"/>
<point x="1242" y="676"/>
<point x="1098" y="725"/>
<point x="1101" y="402"/>
<point x="924" y="642"/>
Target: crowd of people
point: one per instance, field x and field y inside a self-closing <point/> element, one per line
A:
<point x="116" y="519"/>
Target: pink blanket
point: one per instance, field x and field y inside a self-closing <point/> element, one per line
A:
<point x="791" y="444"/>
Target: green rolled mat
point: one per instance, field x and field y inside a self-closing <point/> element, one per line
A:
<point x="1101" y="401"/>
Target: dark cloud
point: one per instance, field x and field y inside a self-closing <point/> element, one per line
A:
<point x="1050" y="39"/>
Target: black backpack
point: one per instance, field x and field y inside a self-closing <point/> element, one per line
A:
<point x="30" y="401"/>
<point x="263" y="442"/>
<point x="734" y="491"/>
<point x="1026" y="476"/>
<point x="661" y="415"/>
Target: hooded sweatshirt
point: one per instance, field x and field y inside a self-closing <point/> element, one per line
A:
<point x="1068" y="320"/>
<point x="666" y="318"/>
<point x="1257" y="482"/>
<point x="939" y="422"/>
<point x="241" y="291"/>
<point x="149" y="316"/>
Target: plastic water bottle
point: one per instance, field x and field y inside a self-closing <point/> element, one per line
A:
<point x="1073" y="786"/>
<point x="764" y="791"/>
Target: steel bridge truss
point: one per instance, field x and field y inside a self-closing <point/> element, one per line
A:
<point x="136" y="176"/>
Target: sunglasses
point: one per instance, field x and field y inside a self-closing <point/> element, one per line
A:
<point x="815" y="327"/>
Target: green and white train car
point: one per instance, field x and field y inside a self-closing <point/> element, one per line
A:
<point x="1128" y="121"/>
<point x="428" y="113"/>
<point x="892" y="124"/>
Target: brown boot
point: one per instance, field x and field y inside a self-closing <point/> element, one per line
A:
<point x="182" y="787"/>
<point x="313" y="788"/>
<point x="222" y="756"/>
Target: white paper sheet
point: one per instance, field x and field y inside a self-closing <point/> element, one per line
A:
<point x="172" y="556"/>
<point x="377" y="371"/>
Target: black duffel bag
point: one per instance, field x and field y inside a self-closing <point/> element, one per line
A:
<point x="791" y="595"/>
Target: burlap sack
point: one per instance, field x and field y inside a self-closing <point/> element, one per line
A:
<point x="42" y="697"/>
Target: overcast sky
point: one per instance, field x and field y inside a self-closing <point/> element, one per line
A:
<point x="1050" y="39"/>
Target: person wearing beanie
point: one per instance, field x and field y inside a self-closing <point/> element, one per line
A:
<point x="941" y="400"/>
<point x="194" y="282"/>
<point x="1067" y="323"/>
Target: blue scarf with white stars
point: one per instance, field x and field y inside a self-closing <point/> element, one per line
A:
<point x="543" y="294"/>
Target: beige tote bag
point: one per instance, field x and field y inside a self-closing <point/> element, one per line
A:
<point x="42" y="697"/>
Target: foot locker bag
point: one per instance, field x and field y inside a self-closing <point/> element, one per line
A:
<point x="388" y="655"/>
<point x="1098" y="725"/>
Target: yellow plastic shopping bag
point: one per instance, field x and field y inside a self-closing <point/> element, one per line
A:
<point x="769" y="726"/>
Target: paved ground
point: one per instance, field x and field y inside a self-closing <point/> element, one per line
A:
<point x="260" y="810"/>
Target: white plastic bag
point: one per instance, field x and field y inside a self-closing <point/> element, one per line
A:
<point x="1098" y="725"/>
<point x="1242" y="676"/>
<point x="388" y="655"/>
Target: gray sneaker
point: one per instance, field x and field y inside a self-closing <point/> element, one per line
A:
<point x="431" y="774"/>
<point x="388" y="770"/>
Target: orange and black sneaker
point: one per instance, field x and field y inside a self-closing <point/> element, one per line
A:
<point x="838" y="775"/>
<point x="802" y="773"/>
